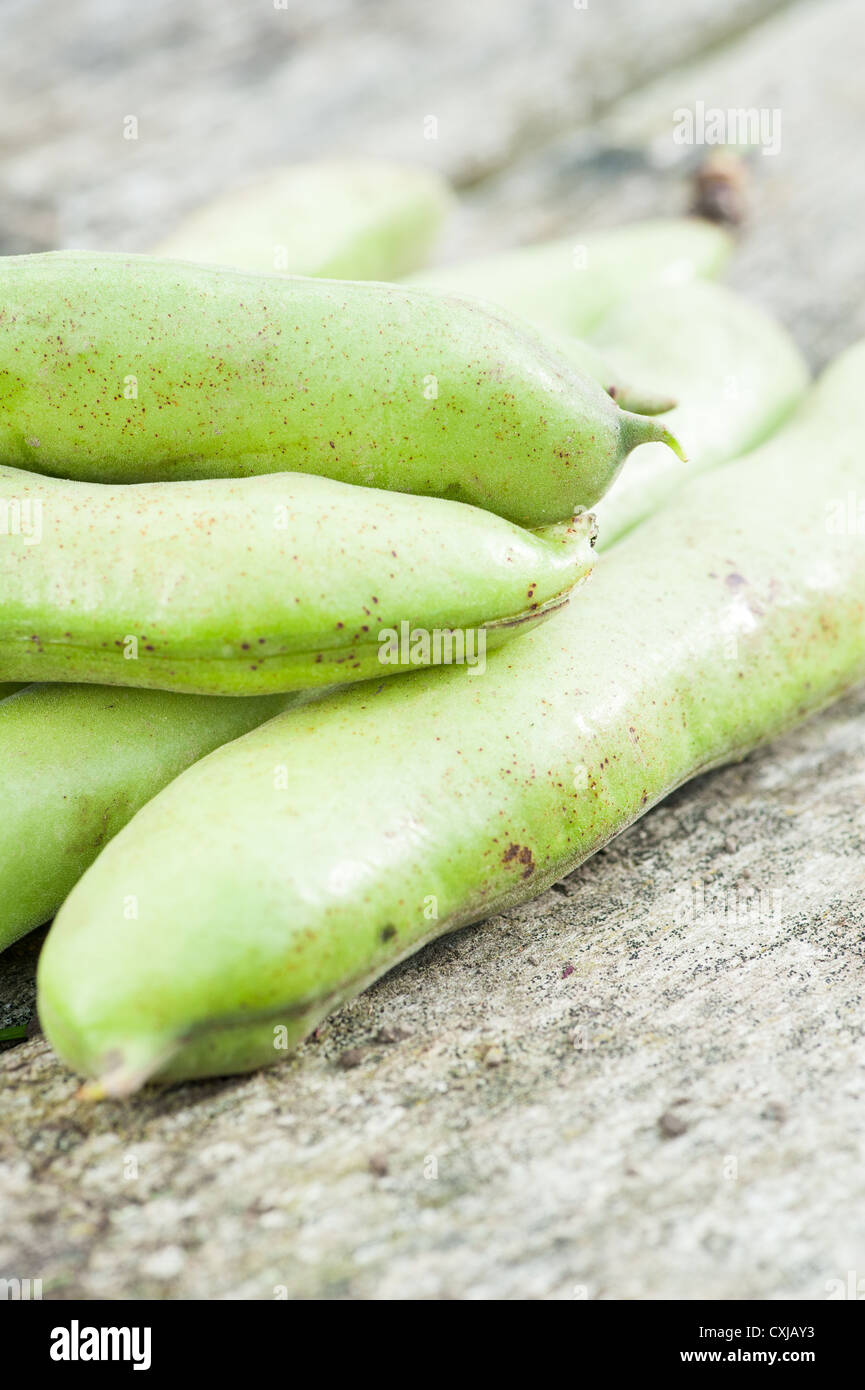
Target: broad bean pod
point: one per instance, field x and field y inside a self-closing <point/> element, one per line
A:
<point x="79" y="760"/>
<point x="342" y="836"/>
<point x="101" y="773"/>
<point x="121" y="369"/>
<point x="256" y="586"/>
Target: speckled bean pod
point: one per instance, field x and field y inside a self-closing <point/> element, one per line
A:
<point x="255" y="586"/>
<point x="134" y="369"/>
<point x="79" y="760"/>
<point x="728" y="617"/>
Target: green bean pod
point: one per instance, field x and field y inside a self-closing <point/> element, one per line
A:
<point x="570" y="284"/>
<point x="255" y="586"/>
<point x="122" y="369"/>
<point x="344" y="219"/>
<point x="361" y="220"/>
<point x="728" y="617"/>
<point x="98" y="770"/>
<point x="78" y="762"/>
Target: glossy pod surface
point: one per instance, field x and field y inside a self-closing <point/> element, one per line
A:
<point x="134" y="369"/>
<point x="258" y="585"/>
<point x="735" y="613"/>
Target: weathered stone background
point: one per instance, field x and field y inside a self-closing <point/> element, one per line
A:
<point x="650" y="1083"/>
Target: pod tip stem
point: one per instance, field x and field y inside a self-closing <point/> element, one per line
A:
<point x="667" y="437"/>
<point x="644" y="429"/>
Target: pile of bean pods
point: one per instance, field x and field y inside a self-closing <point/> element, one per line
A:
<point x="337" y="613"/>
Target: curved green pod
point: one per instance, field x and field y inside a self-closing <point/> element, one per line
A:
<point x="44" y="844"/>
<point x="344" y="219"/>
<point x="735" y="371"/>
<point x="358" y="220"/>
<point x="254" y="586"/>
<point x="728" y="617"/>
<point x="569" y="284"/>
<point x="78" y="761"/>
<point x="133" y="369"/>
